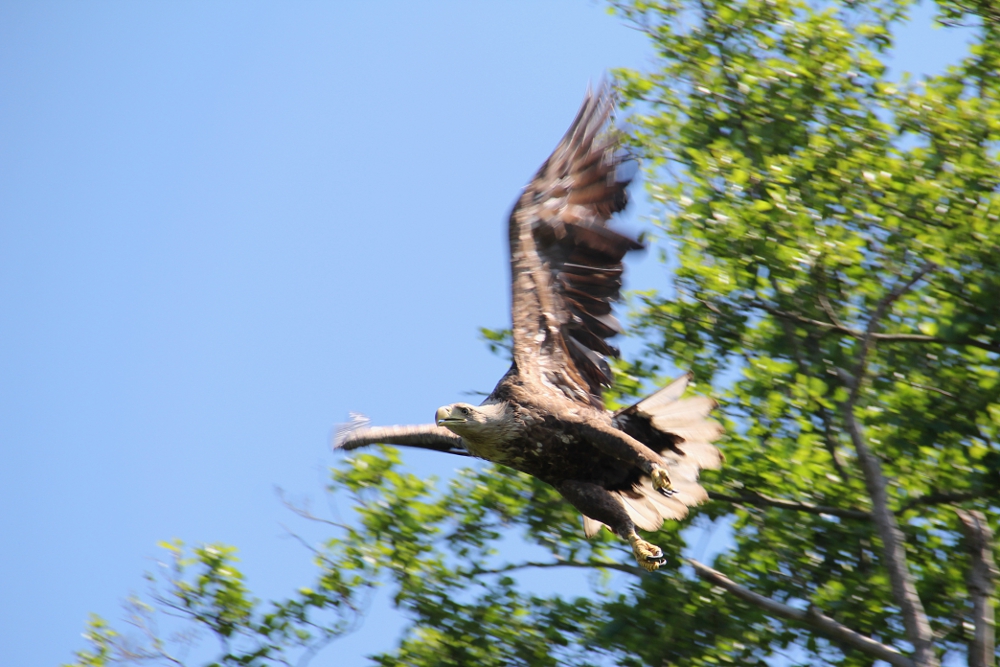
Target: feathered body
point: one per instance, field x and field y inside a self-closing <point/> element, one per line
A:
<point x="546" y="416"/>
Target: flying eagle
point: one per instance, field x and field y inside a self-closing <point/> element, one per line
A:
<point x="546" y="417"/>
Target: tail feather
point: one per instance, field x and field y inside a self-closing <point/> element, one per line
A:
<point x="663" y="397"/>
<point x="674" y="508"/>
<point x="688" y="453"/>
<point x="680" y="413"/>
<point x="702" y="454"/>
<point x="591" y="526"/>
<point x="642" y="512"/>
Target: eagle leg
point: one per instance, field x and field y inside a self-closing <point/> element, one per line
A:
<point x="600" y="505"/>
<point x="649" y="556"/>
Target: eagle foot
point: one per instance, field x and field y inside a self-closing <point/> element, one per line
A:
<point x="649" y="556"/>
<point x="661" y="481"/>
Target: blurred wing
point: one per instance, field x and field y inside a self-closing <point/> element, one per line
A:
<point x="356" y="434"/>
<point x="566" y="263"/>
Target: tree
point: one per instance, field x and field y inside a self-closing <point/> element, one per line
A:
<point x="837" y="242"/>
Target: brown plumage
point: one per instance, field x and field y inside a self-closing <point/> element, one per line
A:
<point x="546" y="417"/>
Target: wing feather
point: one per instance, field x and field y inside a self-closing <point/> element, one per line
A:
<point x="566" y="263"/>
<point x="355" y="434"/>
<point x="591" y="526"/>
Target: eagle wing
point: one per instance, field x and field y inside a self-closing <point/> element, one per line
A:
<point x="356" y="433"/>
<point x="566" y="264"/>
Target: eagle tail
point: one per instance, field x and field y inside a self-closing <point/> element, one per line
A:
<point x="687" y="420"/>
<point x="662" y="397"/>
<point x="591" y="526"/>
<point x="689" y="452"/>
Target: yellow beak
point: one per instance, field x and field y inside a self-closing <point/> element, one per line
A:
<point x="442" y="414"/>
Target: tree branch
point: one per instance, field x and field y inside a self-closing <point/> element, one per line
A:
<point x="867" y="342"/>
<point x="877" y="337"/>
<point x="760" y="500"/>
<point x="607" y="565"/>
<point x="941" y="498"/>
<point x="904" y="590"/>
<point x="810" y="616"/>
<point x="765" y="501"/>
<point x="982" y="586"/>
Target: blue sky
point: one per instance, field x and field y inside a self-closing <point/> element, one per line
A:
<point x="225" y="225"/>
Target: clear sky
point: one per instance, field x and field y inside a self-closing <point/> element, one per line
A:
<point x="223" y="226"/>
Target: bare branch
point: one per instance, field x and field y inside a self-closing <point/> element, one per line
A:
<point x="830" y="439"/>
<point x="305" y="513"/>
<point x="927" y="387"/>
<point x="982" y="586"/>
<point x="789" y="331"/>
<point x="830" y="312"/>
<point x="919" y="338"/>
<point x="810" y="616"/>
<point x="801" y="319"/>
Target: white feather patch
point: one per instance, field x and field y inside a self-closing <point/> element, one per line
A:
<point x="663" y="397"/>
<point x="702" y="454"/>
<point x="682" y="413"/>
<point x="591" y="526"/>
<point x="642" y="514"/>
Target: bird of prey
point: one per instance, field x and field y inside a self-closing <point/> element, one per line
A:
<point x="546" y="417"/>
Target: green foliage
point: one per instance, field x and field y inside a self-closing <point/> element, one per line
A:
<point x="803" y="191"/>
<point x="803" y="188"/>
<point x="499" y="341"/>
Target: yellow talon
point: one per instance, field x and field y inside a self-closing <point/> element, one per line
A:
<point x="661" y="481"/>
<point x="649" y="556"/>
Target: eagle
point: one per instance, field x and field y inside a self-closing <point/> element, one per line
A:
<point x="625" y="469"/>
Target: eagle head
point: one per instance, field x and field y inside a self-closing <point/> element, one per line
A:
<point x="487" y="421"/>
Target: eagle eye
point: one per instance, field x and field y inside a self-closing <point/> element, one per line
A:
<point x="465" y="411"/>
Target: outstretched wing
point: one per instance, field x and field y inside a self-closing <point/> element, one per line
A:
<point x="356" y="434"/>
<point x="566" y="264"/>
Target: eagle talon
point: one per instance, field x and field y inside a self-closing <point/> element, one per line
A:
<point x="661" y="481"/>
<point x="649" y="556"/>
